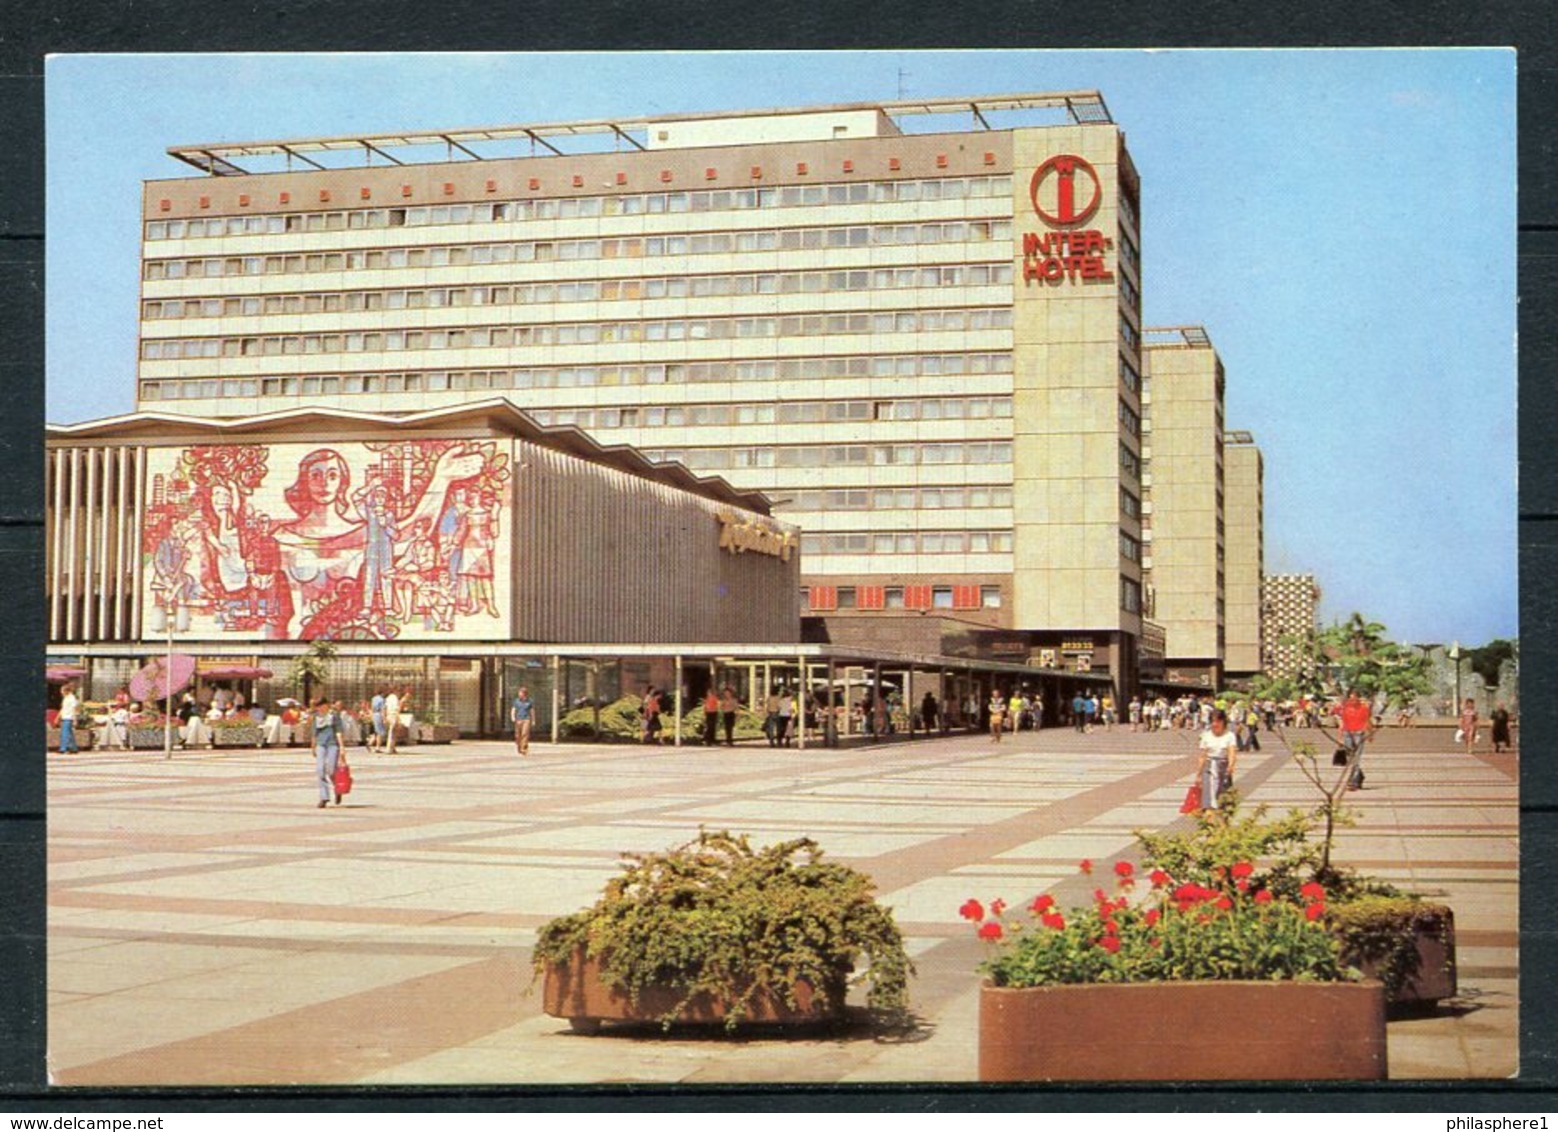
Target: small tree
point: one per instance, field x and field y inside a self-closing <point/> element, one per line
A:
<point x="312" y="668"/>
<point x="1358" y="655"/>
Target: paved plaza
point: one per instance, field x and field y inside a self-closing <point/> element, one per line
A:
<point x="209" y="925"/>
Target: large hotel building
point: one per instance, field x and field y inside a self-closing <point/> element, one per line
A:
<point x="926" y="348"/>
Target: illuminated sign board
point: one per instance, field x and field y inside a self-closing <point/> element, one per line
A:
<point x="1065" y="191"/>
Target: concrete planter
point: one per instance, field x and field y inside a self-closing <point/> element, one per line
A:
<point x="437" y="732"/>
<point x="235" y="736"/>
<point x="1434" y="976"/>
<point x="84" y="738"/>
<point x="1189" y="1031"/>
<point x="151" y="738"/>
<point x="576" y="991"/>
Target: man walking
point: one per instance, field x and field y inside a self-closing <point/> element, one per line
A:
<point x="391" y="719"/>
<point x="376" y="711"/>
<point x="520" y="713"/>
<point x="1357" y="717"/>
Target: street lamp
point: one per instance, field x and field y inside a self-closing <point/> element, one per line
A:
<point x="176" y="615"/>
<point x="1455" y="655"/>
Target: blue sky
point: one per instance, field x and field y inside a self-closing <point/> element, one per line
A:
<point x="1341" y="222"/>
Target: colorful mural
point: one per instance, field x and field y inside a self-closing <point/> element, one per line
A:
<point x="361" y="541"/>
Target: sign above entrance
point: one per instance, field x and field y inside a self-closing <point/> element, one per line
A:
<point x="739" y="535"/>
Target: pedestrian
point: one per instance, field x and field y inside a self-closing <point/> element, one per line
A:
<point x="1357" y="717"/>
<point x="997" y="714"/>
<point x="1014" y="711"/>
<point x="710" y="717"/>
<point x="1038" y="711"/>
<point x="520" y="712"/>
<point x="728" y="706"/>
<point x="929" y="712"/>
<point x="771" y="717"/>
<point x="392" y="708"/>
<point x="376" y="708"/>
<point x="1501" y="739"/>
<point x="118" y="729"/>
<point x="785" y="726"/>
<point x="1469" y="724"/>
<point x="651" y="712"/>
<point x="1217" y="759"/>
<point x="1079" y="712"/>
<point x="1135" y="713"/>
<point x="1107" y="708"/>
<point x="70" y="711"/>
<point x="325" y="730"/>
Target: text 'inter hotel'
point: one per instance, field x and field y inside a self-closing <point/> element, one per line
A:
<point x="925" y="348"/>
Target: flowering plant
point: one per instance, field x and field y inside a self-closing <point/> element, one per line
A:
<point x="1170" y="930"/>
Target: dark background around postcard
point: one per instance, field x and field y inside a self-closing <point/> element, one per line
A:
<point x="29" y="32"/>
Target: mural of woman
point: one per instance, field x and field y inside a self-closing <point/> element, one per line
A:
<point x="326" y="546"/>
<point x="476" y="555"/>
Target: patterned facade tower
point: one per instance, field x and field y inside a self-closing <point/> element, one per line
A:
<point x="1290" y="606"/>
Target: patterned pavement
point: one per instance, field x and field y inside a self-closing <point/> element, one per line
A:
<point x="209" y="925"/>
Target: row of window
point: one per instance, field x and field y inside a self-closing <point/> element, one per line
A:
<point x="1129" y="377"/>
<point x="1130" y="506"/>
<point x="1130" y="464"/>
<point x="620" y="204"/>
<point x="907" y="542"/>
<point x="1129" y="334"/>
<point x="571" y="377"/>
<point x="1130" y="549"/>
<point x="941" y="597"/>
<point x="581" y="333"/>
<point x="835" y="455"/>
<point x="585" y="250"/>
<point x="900" y="498"/>
<point x="784" y="412"/>
<point x="1130" y="420"/>
<point x="586" y="290"/>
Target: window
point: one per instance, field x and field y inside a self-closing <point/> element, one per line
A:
<point x="846" y="597"/>
<point x="893" y="597"/>
<point x="990" y="597"/>
<point x="941" y="597"/>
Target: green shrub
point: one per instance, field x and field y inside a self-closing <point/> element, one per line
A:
<point x="1382" y="931"/>
<point x="718" y="917"/>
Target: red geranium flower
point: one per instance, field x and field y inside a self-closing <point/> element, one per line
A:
<point x="1314" y="911"/>
<point x="1152" y="917"/>
<point x="1243" y="884"/>
<point x="1263" y="897"/>
<point x="1243" y="869"/>
<point x="1101" y="898"/>
<point x="1053" y="920"/>
<point x="1111" y="928"/>
<point x="997" y="906"/>
<point x="1042" y="904"/>
<point x="1312" y="891"/>
<point x="1110" y="943"/>
<point x="1224" y="903"/>
<point x="1155" y="942"/>
<point x="1086" y="866"/>
<point x="1123" y="869"/>
<point x="972" y="910"/>
<point x="1159" y="878"/>
<point x="992" y="930"/>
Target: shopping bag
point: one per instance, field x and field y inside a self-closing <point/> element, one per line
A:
<point x="1339" y="757"/>
<point x="1460" y="736"/>
<point x="1192" y="801"/>
<point x="343" y="778"/>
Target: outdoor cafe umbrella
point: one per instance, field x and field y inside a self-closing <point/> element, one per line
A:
<point x="235" y="672"/>
<point x="162" y="677"/>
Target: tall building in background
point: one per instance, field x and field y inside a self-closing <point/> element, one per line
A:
<point x="1244" y="550"/>
<point x="1184" y="488"/>
<point x="927" y="344"/>
<point x="1290" y="605"/>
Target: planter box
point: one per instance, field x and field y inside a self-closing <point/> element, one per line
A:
<point x="1435" y="977"/>
<point x="1190" y="1031"/>
<point x="150" y="738"/>
<point x="85" y="737"/>
<point x="575" y="991"/>
<point x="235" y="736"/>
<point x="437" y="732"/>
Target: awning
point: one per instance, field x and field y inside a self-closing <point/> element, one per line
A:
<point x="235" y="672"/>
<point x="63" y="673"/>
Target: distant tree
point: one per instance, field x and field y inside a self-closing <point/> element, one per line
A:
<point x="312" y="668"/>
<point x="1488" y="661"/>
<point x="1357" y="654"/>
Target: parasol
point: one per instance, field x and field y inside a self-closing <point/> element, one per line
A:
<point x="235" y="672"/>
<point x="63" y="673"/>
<point x="162" y="677"/>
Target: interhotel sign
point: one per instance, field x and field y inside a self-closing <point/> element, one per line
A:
<point x="738" y="535"/>
<point x="1065" y="192"/>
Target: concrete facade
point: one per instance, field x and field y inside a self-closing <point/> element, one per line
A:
<point x="1186" y="493"/>
<point x="951" y="319"/>
<point x="1244" y="542"/>
<point x="1290" y="607"/>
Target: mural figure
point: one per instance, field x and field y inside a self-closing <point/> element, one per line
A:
<point x="400" y="534"/>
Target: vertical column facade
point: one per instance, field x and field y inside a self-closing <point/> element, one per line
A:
<point x="1244" y="543"/>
